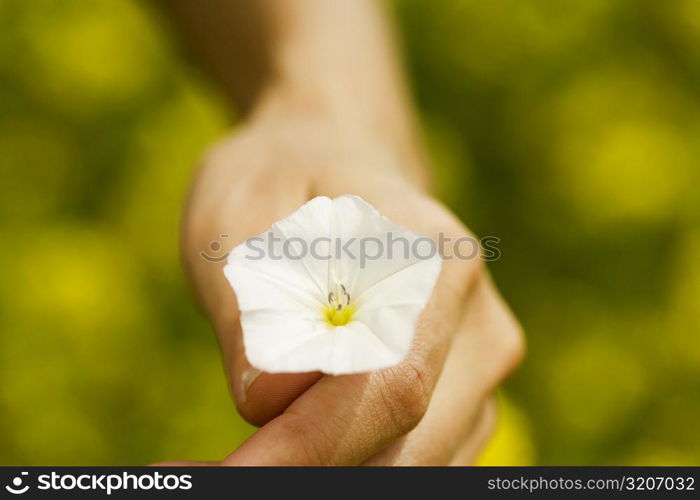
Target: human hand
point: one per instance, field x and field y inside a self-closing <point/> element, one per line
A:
<point x="433" y="408"/>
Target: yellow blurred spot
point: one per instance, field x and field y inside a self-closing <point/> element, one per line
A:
<point x="632" y="171"/>
<point x="622" y="152"/>
<point x="78" y="277"/>
<point x="88" y="54"/>
<point x="511" y="443"/>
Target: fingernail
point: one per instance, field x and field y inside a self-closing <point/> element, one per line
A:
<point x="248" y="378"/>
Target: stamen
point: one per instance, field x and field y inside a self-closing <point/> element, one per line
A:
<point x="339" y="311"/>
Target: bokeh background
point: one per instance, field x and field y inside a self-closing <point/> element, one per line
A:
<point x="568" y="129"/>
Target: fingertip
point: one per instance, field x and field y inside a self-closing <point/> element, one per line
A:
<point x="267" y="395"/>
<point x="261" y="396"/>
<point x="247" y="379"/>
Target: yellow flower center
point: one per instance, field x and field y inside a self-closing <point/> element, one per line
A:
<point x="339" y="310"/>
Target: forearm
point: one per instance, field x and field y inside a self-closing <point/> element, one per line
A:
<point x="334" y="58"/>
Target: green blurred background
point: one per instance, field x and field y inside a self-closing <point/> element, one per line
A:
<point x="568" y="129"/>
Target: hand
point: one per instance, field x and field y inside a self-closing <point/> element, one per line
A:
<point x="431" y="409"/>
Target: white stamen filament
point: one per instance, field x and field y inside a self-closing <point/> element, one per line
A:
<point x="339" y="297"/>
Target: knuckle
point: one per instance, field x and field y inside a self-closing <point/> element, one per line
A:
<point x="406" y="394"/>
<point x="466" y="273"/>
<point x="504" y="341"/>
<point x="511" y="348"/>
<point x="473" y="270"/>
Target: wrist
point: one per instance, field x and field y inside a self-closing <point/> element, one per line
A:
<point x="326" y="105"/>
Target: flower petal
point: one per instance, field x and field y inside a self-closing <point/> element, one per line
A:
<point x="374" y="247"/>
<point x="280" y="344"/>
<point x="280" y="341"/>
<point x="390" y="308"/>
<point x="265" y="272"/>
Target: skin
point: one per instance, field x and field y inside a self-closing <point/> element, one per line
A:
<point x="327" y="113"/>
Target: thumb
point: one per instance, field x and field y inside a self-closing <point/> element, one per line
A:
<point x="259" y="396"/>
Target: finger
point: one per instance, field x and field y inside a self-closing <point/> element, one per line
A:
<point x="466" y="451"/>
<point x="345" y="419"/>
<point x="486" y="348"/>
<point x="258" y="396"/>
<point x="481" y="433"/>
<point x="270" y="394"/>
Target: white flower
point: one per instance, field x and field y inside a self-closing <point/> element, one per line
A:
<point x="318" y="292"/>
